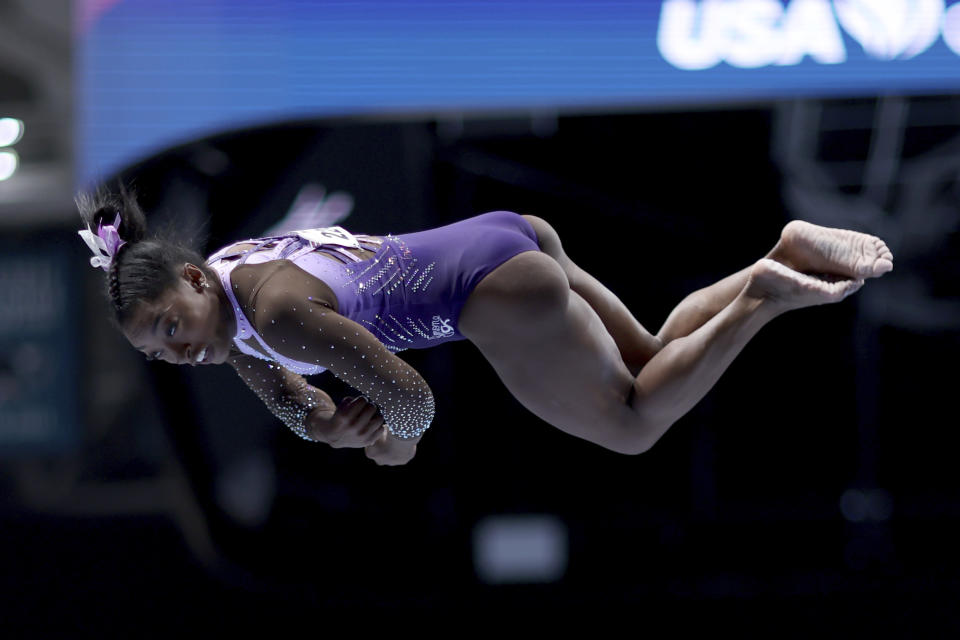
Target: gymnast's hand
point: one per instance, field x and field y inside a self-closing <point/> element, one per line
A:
<point x="356" y="423"/>
<point x="390" y="451"/>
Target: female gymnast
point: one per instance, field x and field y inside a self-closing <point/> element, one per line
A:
<point x="279" y="308"/>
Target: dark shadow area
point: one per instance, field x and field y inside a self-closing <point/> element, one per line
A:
<point x="736" y="513"/>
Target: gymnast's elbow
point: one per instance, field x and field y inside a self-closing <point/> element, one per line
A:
<point x="408" y="421"/>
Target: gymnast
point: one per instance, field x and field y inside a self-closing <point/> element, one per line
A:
<point x="282" y="307"/>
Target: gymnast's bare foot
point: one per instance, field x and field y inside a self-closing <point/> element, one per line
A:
<point x="787" y="289"/>
<point x="809" y="248"/>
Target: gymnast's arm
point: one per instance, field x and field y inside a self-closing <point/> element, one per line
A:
<point x="294" y="321"/>
<point x="286" y="394"/>
<point x="307" y="410"/>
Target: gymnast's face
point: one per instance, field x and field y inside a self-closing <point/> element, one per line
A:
<point x="189" y="323"/>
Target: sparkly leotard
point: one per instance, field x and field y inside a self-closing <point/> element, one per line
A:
<point x="409" y="294"/>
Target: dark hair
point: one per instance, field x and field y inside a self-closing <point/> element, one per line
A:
<point x="143" y="267"/>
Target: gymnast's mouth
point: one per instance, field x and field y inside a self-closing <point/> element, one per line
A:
<point x="201" y="357"/>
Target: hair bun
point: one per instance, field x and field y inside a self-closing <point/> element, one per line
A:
<point x="105" y="215"/>
<point x="101" y="208"/>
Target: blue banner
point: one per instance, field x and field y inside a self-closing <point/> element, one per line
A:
<point x="153" y="74"/>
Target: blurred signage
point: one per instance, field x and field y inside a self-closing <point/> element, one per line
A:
<point x="700" y="34"/>
<point x="152" y="75"/>
<point x="38" y="345"/>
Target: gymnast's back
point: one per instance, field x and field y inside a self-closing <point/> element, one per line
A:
<point x="406" y="290"/>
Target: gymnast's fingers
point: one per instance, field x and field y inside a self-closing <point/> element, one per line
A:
<point x="376" y="435"/>
<point x="373" y="422"/>
<point x="350" y="408"/>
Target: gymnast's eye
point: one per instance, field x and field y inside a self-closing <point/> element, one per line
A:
<point x="172" y="330"/>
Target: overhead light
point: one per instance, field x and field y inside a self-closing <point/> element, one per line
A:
<point x="11" y="130"/>
<point x="9" y="161"/>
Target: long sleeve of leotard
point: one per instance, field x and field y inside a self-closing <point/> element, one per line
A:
<point x="286" y="394"/>
<point x="290" y="316"/>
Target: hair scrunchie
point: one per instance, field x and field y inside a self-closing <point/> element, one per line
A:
<point x="104" y="244"/>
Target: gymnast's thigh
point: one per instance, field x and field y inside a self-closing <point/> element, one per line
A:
<point x="551" y="350"/>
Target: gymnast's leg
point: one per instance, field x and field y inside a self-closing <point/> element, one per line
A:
<point x="687" y="367"/>
<point x="710" y="327"/>
<point x="799" y="248"/>
<point x="555" y="354"/>
<point x="803" y="247"/>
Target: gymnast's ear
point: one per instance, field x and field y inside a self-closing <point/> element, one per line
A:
<point x="195" y="276"/>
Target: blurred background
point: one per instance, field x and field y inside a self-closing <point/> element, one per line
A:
<point x="668" y="142"/>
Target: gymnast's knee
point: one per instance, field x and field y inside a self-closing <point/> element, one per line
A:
<point x="634" y="435"/>
<point x="629" y="446"/>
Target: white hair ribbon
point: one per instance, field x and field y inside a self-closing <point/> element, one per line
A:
<point x="104" y="243"/>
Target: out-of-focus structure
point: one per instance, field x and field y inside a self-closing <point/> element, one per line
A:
<point x="36" y="88"/>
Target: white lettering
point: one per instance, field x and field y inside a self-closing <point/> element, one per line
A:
<point x="809" y="29"/>
<point x="753" y="35"/>
<point x="689" y="34"/>
<point x="951" y="28"/>
<point x="441" y="327"/>
<point x="927" y="18"/>
<point x="889" y="29"/>
<point x="696" y="35"/>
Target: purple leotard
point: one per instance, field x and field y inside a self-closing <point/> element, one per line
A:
<point x="409" y="294"/>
